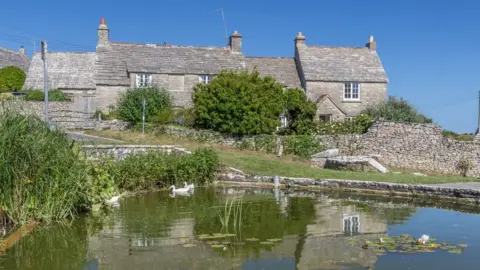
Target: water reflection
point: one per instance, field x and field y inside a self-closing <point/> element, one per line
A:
<point x="295" y="230"/>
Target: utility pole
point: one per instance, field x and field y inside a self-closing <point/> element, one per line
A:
<point x="45" y="78"/>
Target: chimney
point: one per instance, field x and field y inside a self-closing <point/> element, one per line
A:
<point x="236" y="42"/>
<point x="22" y="50"/>
<point x="372" y="45"/>
<point x="103" y="33"/>
<point x="300" y="39"/>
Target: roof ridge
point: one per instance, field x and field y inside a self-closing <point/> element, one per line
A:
<point x="10" y="50"/>
<point x="154" y="45"/>
<point x="335" y="47"/>
<point x="271" y="57"/>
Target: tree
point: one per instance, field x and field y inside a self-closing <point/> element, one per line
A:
<point x="397" y="110"/>
<point x="12" y="79"/>
<point x="239" y="103"/>
<point x="300" y="112"/>
<point x="130" y="103"/>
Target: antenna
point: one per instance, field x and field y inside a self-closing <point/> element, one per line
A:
<point x="223" y="19"/>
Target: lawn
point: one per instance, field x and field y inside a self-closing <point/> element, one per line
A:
<point x="264" y="164"/>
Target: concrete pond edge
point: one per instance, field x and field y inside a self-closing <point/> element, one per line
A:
<point x="463" y="195"/>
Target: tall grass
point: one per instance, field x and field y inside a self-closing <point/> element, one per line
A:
<point x="41" y="176"/>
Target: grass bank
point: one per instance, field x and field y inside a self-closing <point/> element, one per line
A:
<point x="264" y="164"/>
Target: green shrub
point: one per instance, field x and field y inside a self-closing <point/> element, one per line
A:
<point x="458" y="137"/>
<point x="300" y="112"/>
<point x="185" y="116"/>
<point x="101" y="180"/>
<point x="164" y="116"/>
<point x="359" y="124"/>
<point x="397" y="110"/>
<point x="41" y="174"/>
<point x="6" y="96"/>
<point x="303" y="146"/>
<point x="239" y="103"/>
<point x="53" y="95"/>
<point x="154" y="169"/>
<point x="12" y="79"/>
<point x="130" y="103"/>
<point x="266" y="143"/>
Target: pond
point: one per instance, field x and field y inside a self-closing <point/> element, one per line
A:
<point x="241" y="228"/>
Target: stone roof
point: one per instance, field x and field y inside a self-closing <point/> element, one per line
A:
<point x="322" y="98"/>
<point x="340" y="64"/>
<point x="13" y="58"/>
<point x="66" y="70"/>
<point x="115" y="59"/>
<point x="282" y="69"/>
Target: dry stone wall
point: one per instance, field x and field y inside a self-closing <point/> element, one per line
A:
<point x="412" y="146"/>
<point x="66" y="115"/>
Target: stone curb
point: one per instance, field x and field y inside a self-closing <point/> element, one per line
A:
<point x="472" y="195"/>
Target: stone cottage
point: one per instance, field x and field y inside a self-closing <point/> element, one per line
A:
<point x="14" y="58"/>
<point x="341" y="80"/>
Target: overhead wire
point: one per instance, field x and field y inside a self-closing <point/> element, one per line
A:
<point x="52" y="44"/>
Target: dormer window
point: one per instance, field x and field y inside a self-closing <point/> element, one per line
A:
<point x="143" y="80"/>
<point x="204" y="79"/>
<point x="351" y="91"/>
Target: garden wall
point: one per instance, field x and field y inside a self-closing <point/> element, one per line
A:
<point x="412" y="146"/>
<point x="65" y="114"/>
<point x="121" y="151"/>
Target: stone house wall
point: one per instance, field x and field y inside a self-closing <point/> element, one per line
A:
<point x="370" y="93"/>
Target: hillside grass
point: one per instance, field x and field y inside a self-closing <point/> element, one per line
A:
<point x="259" y="163"/>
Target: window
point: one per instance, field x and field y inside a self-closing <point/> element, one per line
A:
<point x="351" y="91"/>
<point x="143" y="80"/>
<point x="348" y="118"/>
<point x="204" y="79"/>
<point x="325" y="118"/>
<point x="351" y="224"/>
<point x="283" y="121"/>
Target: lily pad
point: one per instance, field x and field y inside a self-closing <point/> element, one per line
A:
<point x="213" y="242"/>
<point x="238" y="243"/>
<point x="274" y="240"/>
<point x="226" y="242"/>
<point x="455" y="251"/>
<point x="463" y="245"/>
<point x="266" y="243"/>
<point x="189" y="245"/>
<point x="253" y="239"/>
<point x="184" y="239"/>
<point x="229" y="235"/>
<point x="217" y="246"/>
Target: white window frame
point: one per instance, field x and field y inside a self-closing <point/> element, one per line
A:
<point x="204" y="79"/>
<point x="349" y="118"/>
<point x="350" y="220"/>
<point x="143" y="80"/>
<point x="349" y="91"/>
<point x="283" y="121"/>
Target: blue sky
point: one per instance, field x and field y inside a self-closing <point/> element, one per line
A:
<point x="430" y="49"/>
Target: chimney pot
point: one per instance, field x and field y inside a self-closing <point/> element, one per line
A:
<point x="22" y="50"/>
<point x="300" y="38"/>
<point x="103" y="33"/>
<point x="102" y="21"/>
<point x="372" y="45"/>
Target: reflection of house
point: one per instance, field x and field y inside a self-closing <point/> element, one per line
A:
<point x="326" y="244"/>
<point x="123" y="252"/>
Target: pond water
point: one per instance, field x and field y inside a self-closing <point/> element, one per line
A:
<point x="267" y="229"/>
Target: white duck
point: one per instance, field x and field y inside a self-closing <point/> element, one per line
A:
<point x="179" y="190"/>
<point x="191" y="186"/>
<point x="424" y="239"/>
<point x="113" y="200"/>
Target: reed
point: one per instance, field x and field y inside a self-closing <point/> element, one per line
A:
<point x="232" y="214"/>
<point x="41" y="176"/>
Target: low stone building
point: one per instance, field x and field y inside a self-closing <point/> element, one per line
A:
<point x="14" y="58"/>
<point x="342" y="80"/>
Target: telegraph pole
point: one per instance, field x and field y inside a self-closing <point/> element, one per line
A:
<point x="478" y="126"/>
<point x="45" y="78"/>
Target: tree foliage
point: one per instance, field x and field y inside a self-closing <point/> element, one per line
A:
<point x="245" y="103"/>
<point x="12" y="79"/>
<point x="300" y="112"/>
<point x="130" y="103"/>
<point x="53" y="95"/>
<point x="397" y="110"/>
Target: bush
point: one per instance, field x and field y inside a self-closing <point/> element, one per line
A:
<point x="397" y="110"/>
<point x="300" y="112"/>
<point x="53" y="95"/>
<point x="12" y="79"/>
<point x="239" y="103"/>
<point x="359" y="124"/>
<point x="41" y="175"/>
<point x="302" y="145"/>
<point x="6" y="96"/>
<point x="130" y="103"/>
<point x="154" y="169"/>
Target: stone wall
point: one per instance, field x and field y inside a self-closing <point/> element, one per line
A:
<point x="121" y="151"/>
<point x="410" y="146"/>
<point x="66" y="115"/>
